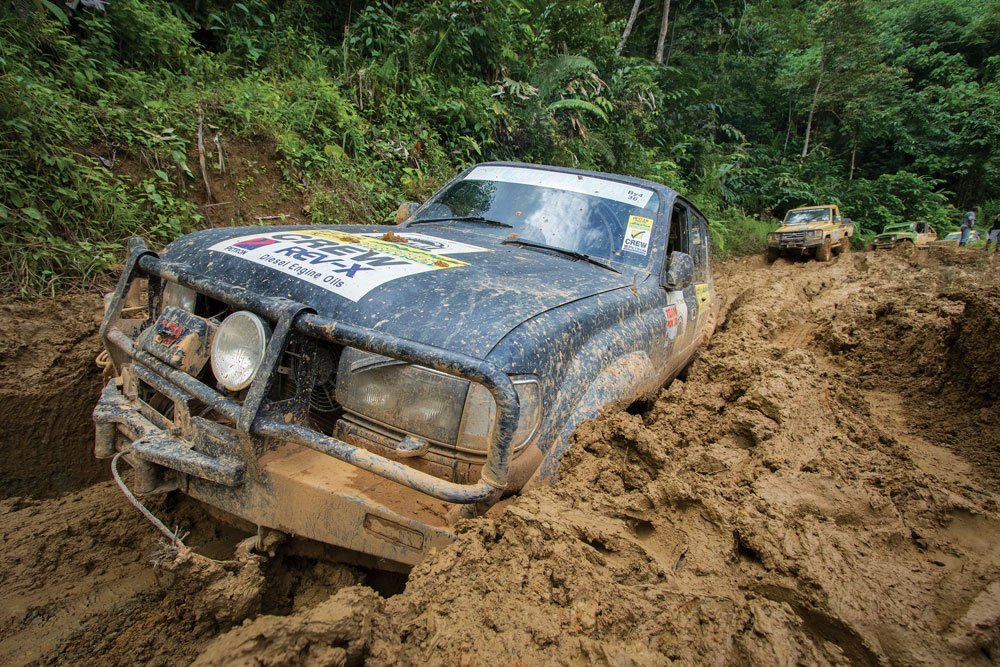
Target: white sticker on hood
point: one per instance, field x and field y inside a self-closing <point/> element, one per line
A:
<point x="350" y="265"/>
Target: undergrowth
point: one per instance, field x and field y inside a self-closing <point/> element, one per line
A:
<point x="369" y="105"/>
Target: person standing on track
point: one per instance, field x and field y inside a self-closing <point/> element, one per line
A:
<point x="994" y="235"/>
<point x="968" y="222"/>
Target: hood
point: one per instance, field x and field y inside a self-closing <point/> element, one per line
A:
<point x="445" y="286"/>
<point x="803" y="227"/>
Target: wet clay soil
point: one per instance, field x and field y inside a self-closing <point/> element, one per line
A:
<point x="822" y="489"/>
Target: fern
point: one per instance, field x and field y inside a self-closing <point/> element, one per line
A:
<point x="577" y="105"/>
<point x="553" y="73"/>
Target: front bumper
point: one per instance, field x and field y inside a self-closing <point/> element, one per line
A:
<point x="256" y="460"/>
<point x="797" y="244"/>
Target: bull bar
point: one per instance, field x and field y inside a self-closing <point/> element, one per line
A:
<point x="254" y="425"/>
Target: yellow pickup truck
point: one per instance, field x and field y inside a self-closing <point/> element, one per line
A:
<point x="817" y="230"/>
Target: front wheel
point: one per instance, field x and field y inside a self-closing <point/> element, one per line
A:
<point x="824" y="251"/>
<point x="772" y="254"/>
<point x="842" y="247"/>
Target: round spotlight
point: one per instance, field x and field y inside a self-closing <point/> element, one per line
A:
<point x="238" y="349"/>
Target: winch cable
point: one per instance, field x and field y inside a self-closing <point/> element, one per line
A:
<point x="172" y="536"/>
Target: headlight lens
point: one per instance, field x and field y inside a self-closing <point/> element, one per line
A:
<point x="178" y="296"/>
<point x="410" y="398"/>
<point x="238" y="349"/>
<point x="816" y="233"/>
<point x="426" y="403"/>
<point x="774" y="237"/>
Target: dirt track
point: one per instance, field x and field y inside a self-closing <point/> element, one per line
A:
<point x="822" y="489"/>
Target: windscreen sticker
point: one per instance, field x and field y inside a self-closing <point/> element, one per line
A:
<point x="586" y="185"/>
<point x="637" y="234"/>
<point x="350" y="265"/>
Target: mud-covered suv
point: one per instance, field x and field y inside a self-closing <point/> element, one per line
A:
<point x="361" y="385"/>
<point x="817" y="230"/>
<point x="905" y="235"/>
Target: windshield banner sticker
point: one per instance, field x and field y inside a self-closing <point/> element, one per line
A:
<point x="632" y="195"/>
<point x="350" y="265"/>
<point x="637" y="235"/>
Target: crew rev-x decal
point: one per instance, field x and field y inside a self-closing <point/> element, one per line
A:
<point x="350" y="265"/>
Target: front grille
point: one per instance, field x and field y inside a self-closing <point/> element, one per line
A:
<point x="793" y="236"/>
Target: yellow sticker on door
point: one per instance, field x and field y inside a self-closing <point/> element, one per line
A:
<point x="637" y="234"/>
<point x="704" y="293"/>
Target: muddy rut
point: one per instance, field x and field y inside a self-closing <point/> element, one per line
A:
<point x="821" y="489"/>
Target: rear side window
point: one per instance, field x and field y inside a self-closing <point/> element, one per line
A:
<point x="701" y="248"/>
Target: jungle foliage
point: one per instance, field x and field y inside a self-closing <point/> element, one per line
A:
<point x="889" y="108"/>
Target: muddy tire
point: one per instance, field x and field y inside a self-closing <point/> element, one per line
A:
<point x="842" y="247"/>
<point x="824" y="251"/>
<point x="906" y="247"/>
<point x="772" y="254"/>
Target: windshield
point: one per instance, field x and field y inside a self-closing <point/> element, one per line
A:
<point x="594" y="216"/>
<point x="897" y="228"/>
<point x="807" y="215"/>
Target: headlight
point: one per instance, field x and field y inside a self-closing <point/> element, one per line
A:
<point x="815" y="233"/>
<point x="409" y="398"/>
<point x="429" y="404"/>
<point x="774" y="237"/>
<point x="238" y="349"/>
<point x="178" y="296"/>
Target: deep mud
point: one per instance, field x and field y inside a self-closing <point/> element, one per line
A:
<point x="822" y="489"/>
<point x="48" y="381"/>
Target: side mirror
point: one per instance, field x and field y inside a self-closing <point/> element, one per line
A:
<point x="405" y="210"/>
<point x="680" y="271"/>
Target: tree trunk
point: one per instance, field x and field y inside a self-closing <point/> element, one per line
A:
<point x="812" y="107"/>
<point x="664" y="24"/>
<point x="854" y="154"/>
<point x="628" y="27"/>
<point x="788" y="132"/>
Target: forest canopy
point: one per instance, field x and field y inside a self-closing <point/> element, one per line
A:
<point x="110" y="110"/>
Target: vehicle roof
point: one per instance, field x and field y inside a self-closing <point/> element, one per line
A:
<point x="806" y="208"/>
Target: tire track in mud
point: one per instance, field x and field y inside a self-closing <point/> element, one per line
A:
<point x="807" y="495"/>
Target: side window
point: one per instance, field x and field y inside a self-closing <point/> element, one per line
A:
<point x="679" y="235"/>
<point x="700" y="248"/>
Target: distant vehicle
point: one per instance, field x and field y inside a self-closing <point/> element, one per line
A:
<point x="817" y="230"/>
<point x="953" y="238"/>
<point x="905" y="235"/>
<point x="361" y="385"/>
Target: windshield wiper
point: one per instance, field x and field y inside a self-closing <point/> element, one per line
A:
<point x="562" y="251"/>
<point x="464" y="218"/>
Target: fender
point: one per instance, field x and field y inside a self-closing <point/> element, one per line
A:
<point x="615" y="386"/>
